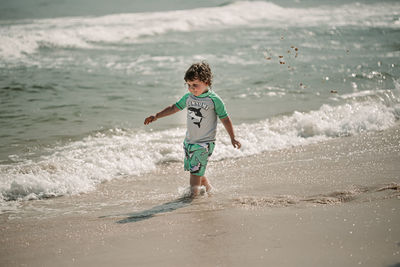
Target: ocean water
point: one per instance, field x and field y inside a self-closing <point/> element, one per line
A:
<point x="76" y="82"/>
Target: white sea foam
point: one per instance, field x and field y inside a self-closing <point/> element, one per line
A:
<point x="310" y="127"/>
<point x="26" y="37"/>
<point x="80" y="166"/>
<point x="361" y="94"/>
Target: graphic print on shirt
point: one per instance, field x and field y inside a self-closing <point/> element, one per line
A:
<point x="195" y="115"/>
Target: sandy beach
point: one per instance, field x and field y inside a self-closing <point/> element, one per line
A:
<point x="312" y="89"/>
<point x="334" y="203"/>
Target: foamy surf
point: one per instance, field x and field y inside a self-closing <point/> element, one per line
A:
<point x="80" y="166"/>
<point x="26" y="37"/>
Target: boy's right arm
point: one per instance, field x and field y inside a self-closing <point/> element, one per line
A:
<point x="163" y="113"/>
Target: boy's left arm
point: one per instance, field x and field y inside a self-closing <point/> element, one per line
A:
<point x="229" y="128"/>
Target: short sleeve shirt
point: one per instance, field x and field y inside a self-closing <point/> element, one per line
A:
<point x="202" y="113"/>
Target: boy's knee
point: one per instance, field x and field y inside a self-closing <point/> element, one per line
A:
<point x="195" y="180"/>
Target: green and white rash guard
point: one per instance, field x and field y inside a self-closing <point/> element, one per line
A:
<point x="202" y="112"/>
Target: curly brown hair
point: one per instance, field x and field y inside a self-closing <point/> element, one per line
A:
<point x="199" y="71"/>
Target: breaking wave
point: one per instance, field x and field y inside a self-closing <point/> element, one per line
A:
<point x="21" y="38"/>
<point x="81" y="165"/>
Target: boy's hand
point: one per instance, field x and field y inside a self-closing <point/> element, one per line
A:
<point x="165" y="112"/>
<point x="149" y="120"/>
<point x="236" y="143"/>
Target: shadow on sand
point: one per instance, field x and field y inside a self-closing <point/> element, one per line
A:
<point x="163" y="208"/>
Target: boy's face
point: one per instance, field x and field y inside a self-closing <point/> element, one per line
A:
<point x="197" y="87"/>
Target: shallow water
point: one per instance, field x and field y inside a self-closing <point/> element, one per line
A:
<point x="76" y="83"/>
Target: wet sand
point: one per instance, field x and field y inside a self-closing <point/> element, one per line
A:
<point x="330" y="204"/>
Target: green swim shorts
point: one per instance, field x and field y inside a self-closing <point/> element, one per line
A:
<point x="196" y="157"/>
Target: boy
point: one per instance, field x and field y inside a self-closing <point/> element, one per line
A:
<point x="203" y="107"/>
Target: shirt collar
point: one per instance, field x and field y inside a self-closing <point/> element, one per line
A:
<point x="205" y="94"/>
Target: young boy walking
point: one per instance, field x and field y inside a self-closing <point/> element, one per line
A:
<point x="203" y="108"/>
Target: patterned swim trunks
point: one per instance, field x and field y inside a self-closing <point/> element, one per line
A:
<point x="196" y="157"/>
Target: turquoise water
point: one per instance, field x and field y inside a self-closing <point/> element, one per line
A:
<point x="76" y="82"/>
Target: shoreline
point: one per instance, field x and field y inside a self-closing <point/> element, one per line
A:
<point x="331" y="203"/>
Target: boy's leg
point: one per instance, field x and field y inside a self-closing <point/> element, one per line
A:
<point x="197" y="181"/>
<point x="196" y="158"/>
<point x="204" y="181"/>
